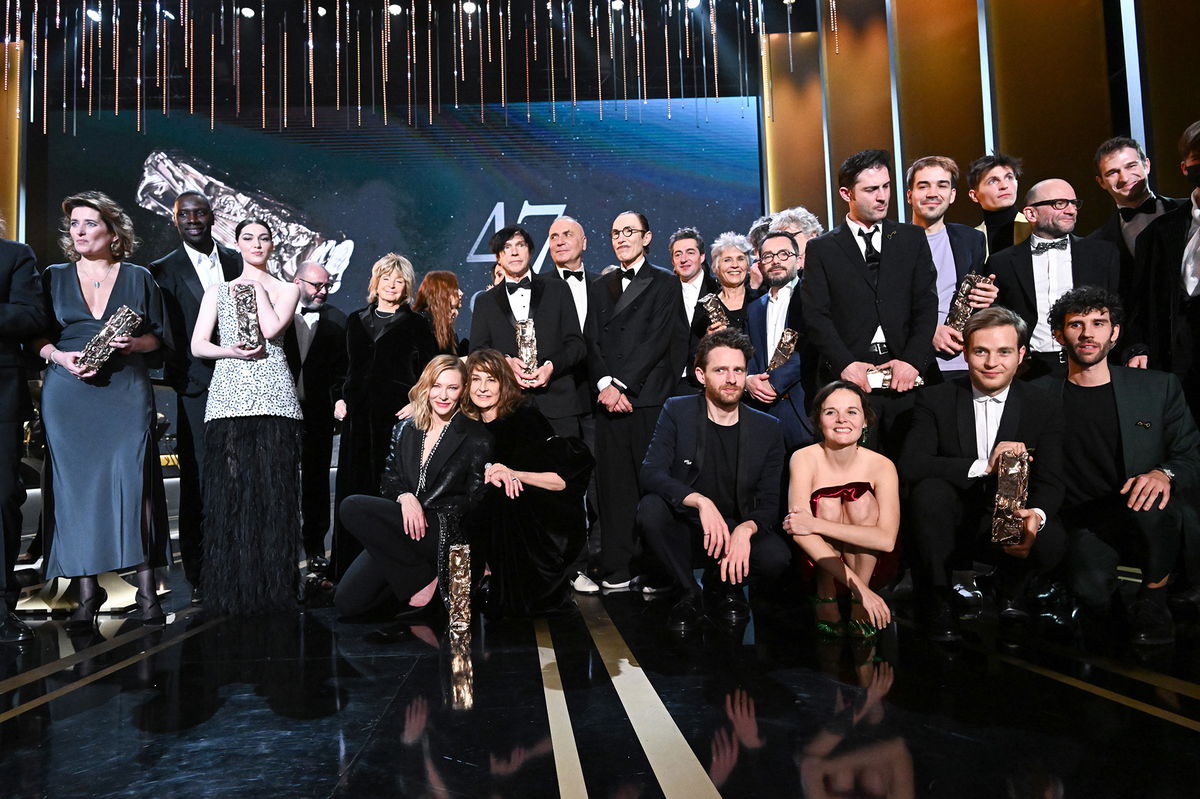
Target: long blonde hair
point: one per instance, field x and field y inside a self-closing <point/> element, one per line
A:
<point x="418" y="395"/>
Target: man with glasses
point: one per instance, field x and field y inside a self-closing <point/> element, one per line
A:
<point x="957" y="250"/>
<point x="781" y="391"/>
<point x="315" y="345"/>
<point x="1032" y="276"/>
<point x="183" y="275"/>
<point x="634" y="319"/>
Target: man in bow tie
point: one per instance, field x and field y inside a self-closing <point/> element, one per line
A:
<point x="1032" y="275"/>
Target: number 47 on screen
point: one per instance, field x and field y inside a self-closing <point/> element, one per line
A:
<point x="495" y="222"/>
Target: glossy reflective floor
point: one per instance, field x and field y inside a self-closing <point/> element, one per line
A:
<point x="601" y="703"/>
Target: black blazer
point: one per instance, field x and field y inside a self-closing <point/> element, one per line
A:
<point x="1159" y="312"/>
<point x="969" y="247"/>
<point x="1132" y="281"/>
<point x="1093" y="263"/>
<point x="559" y="340"/>
<point x="324" y="367"/>
<point x="182" y="293"/>
<point x="676" y="455"/>
<point x="688" y="336"/>
<point x="630" y="334"/>
<point x="844" y="301"/>
<point x="941" y="441"/>
<point x="22" y="317"/>
<point x="454" y="475"/>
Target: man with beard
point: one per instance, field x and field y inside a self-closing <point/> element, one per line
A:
<point x="183" y="275"/>
<point x="1135" y="456"/>
<point x="782" y="391"/>
<point x="711" y="478"/>
<point x="315" y="345"/>
<point x="687" y="261"/>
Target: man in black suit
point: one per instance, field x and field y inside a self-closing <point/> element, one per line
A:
<point x="553" y="383"/>
<point x="992" y="181"/>
<point x="634" y="316"/>
<point x="1135" y="456"/>
<point x="869" y="293"/>
<point x="1168" y="252"/>
<point x="687" y="261"/>
<point x="315" y="345"/>
<point x="711" y="479"/>
<point x="22" y="317"/>
<point x="957" y="250"/>
<point x="959" y="430"/>
<point x="1033" y="275"/>
<point x="183" y="275"/>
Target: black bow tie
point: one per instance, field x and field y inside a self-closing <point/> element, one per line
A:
<point x="627" y="274"/>
<point x="1148" y="207"/>
<point x="577" y="275"/>
<point x="305" y="311"/>
<point x="512" y="287"/>
<point x="1040" y="247"/>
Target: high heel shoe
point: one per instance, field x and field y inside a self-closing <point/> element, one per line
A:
<point x="83" y="619"/>
<point x="150" y="612"/>
<point x="828" y="629"/>
<point x="860" y="628"/>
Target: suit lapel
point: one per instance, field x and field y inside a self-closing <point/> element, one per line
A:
<point x="453" y="436"/>
<point x="701" y="439"/>
<point x="1010" y="421"/>
<point x="1024" y="274"/>
<point x="964" y="411"/>
<point x="958" y="251"/>
<point x="742" y="467"/>
<point x="188" y="273"/>
<point x="501" y="291"/>
<point x="536" y="290"/>
<point x="231" y="262"/>
<point x="1127" y="413"/>
<point x="640" y="282"/>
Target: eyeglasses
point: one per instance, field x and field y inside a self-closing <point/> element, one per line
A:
<point x="1058" y="205"/>
<point x="783" y="256"/>
<point x="626" y="232"/>
<point x="317" y="286"/>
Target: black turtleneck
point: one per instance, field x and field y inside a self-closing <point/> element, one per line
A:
<point x="999" y="226"/>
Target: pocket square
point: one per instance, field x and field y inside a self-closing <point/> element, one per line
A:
<point x="1143" y="424"/>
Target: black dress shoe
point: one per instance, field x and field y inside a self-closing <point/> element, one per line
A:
<point x="318" y="563"/>
<point x="1012" y="610"/>
<point x="1152" y="623"/>
<point x="13" y="630"/>
<point x="730" y="608"/>
<point x="941" y="621"/>
<point x="686" y="615"/>
<point x="967" y="595"/>
<point x="197" y="596"/>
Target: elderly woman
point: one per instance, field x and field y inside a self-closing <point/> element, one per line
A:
<point x="103" y="469"/>
<point x="730" y="259"/>
<point x="388" y="344"/>
<point x="439" y="300"/>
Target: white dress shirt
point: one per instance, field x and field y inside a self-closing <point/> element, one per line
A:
<point x="1191" y="251"/>
<point x="691" y="293"/>
<point x="305" y="325"/>
<point x="578" y="292"/>
<point x="777" y="308"/>
<point x="207" y="265"/>
<point x="518" y="300"/>
<point x="988" y="411"/>
<point x="876" y="232"/>
<point x="1051" y="279"/>
<point x="608" y="380"/>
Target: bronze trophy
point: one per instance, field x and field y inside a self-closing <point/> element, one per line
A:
<point x="527" y="350"/>
<point x="881" y="379"/>
<point x="460" y="587"/>
<point x="97" y="351"/>
<point x="248" y="332"/>
<point x="960" y="306"/>
<point x="1012" y="490"/>
<point x="784" y="350"/>
<point x="716" y="311"/>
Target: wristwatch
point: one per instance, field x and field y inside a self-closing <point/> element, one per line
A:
<point x="1170" y="474"/>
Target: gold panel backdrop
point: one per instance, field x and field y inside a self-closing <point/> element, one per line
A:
<point x="11" y="130"/>
<point x="1170" y="66"/>
<point x="939" y="89"/>
<point x="794" y="146"/>
<point x="1051" y="93"/>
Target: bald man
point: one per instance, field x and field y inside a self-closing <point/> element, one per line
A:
<point x="1032" y="275"/>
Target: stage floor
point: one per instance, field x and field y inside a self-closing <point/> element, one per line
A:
<point x="602" y="703"/>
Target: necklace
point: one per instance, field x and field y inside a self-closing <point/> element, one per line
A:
<point x="384" y="315"/>
<point x="96" y="283"/>
<point x="422" y="472"/>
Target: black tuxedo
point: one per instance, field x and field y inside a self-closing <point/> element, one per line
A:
<point x="684" y="348"/>
<point x="22" y="317"/>
<point x="559" y="340"/>
<point x="629" y="336"/>
<point x="1132" y="282"/>
<point x="320" y="375"/>
<point x="675" y="459"/>
<point x="946" y="507"/>
<point x="189" y="376"/>
<point x="794" y="381"/>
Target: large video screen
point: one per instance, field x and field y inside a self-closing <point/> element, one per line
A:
<point x="345" y="195"/>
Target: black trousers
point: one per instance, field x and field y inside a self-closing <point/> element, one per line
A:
<point x="391" y="565"/>
<point x="946" y="521"/>
<point x="12" y="494"/>
<point x="315" y="459"/>
<point x="621" y="443"/>
<point x="189" y="429"/>
<point x="587" y="431"/>
<point x="1101" y="537"/>
<point x="677" y="539"/>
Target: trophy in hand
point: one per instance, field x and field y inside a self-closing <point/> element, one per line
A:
<point x="716" y="311"/>
<point x="784" y="350"/>
<point x="881" y="379"/>
<point x="1012" y="490"/>
<point x="248" y="332"/>
<point x="97" y="351"/>
<point x="960" y="307"/>
<point x="527" y="350"/>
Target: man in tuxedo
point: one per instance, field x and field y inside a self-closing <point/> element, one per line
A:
<point x="1123" y="171"/>
<point x="711" y="479"/>
<point x="315" y="345"/>
<point x="22" y="317"/>
<point x="1168" y="253"/>
<point x="687" y="261"/>
<point x="957" y="251"/>
<point x="869" y="294"/>
<point x="634" y="317"/>
<point x="782" y="391"/>
<point x="993" y="185"/>
<point x="1135" y="457"/>
<point x="183" y="275"/>
<point x="1032" y="276"/>
<point x="552" y="383"/>
<point x="959" y="430"/>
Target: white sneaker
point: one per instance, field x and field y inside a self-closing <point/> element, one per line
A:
<point x="623" y="585"/>
<point x="584" y="584"/>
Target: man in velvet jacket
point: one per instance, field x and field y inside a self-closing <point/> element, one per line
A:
<point x="183" y="275"/>
<point x="554" y="385"/>
<point x="711" y="479"/>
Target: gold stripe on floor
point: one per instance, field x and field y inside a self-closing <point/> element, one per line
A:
<point x="571" y="784"/>
<point x="679" y="773"/>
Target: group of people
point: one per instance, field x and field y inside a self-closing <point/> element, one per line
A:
<point x="811" y="405"/>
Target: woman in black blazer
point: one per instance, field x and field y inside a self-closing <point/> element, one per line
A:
<point x="433" y="478"/>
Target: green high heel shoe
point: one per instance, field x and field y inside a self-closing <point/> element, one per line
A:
<point x="828" y="629"/>
<point x="858" y="628"/>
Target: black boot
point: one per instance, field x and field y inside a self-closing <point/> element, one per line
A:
<point x="150" y="612"/>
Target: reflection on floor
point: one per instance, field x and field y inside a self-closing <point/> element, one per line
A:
<point x="600" y="703"/>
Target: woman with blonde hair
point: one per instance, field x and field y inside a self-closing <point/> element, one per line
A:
<point x="433" y="478"/>
<point x="387" y="344"/>
<point x="439" y="299"/>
